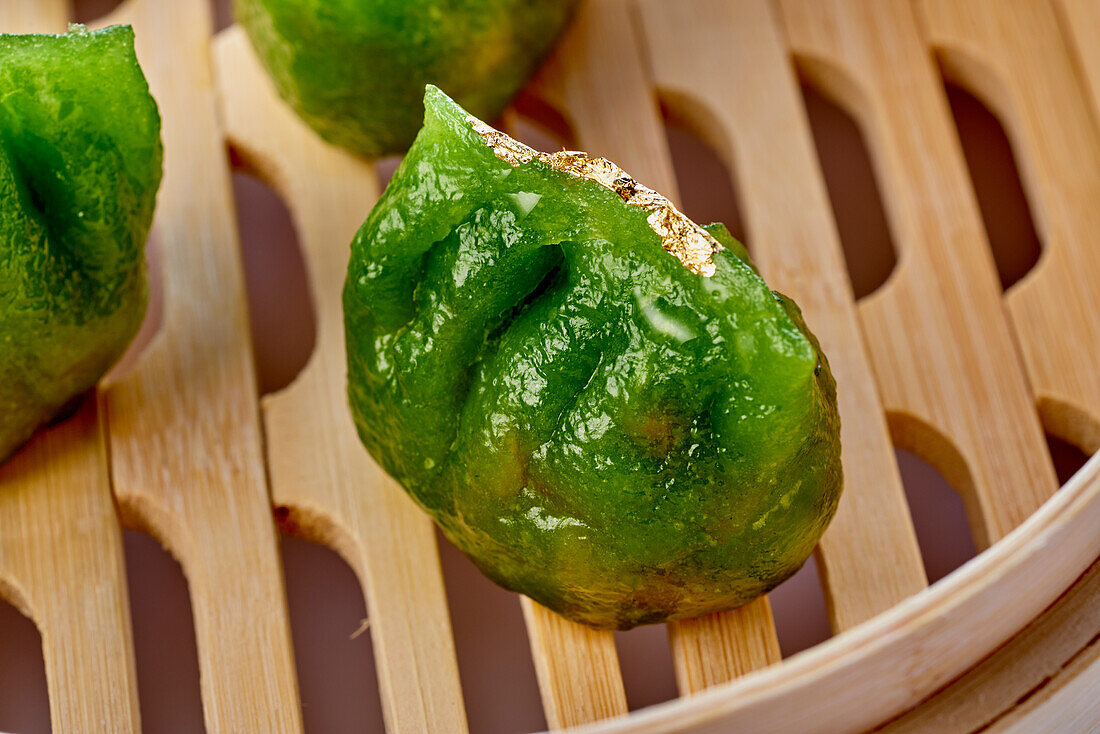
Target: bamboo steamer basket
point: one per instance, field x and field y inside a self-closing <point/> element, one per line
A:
<point x="937" y="361"/>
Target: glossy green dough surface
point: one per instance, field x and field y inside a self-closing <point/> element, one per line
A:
<point x="355" y="70"/>
<point x="80" y="163"/>
<point x="594" y="425"/>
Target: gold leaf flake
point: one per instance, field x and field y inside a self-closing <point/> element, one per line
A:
<point x="692" y="245"/>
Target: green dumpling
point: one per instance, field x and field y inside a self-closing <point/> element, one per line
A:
<point x="600" y="402"/>
<point x="355" y="70"/>
<point x="80" y="163"/>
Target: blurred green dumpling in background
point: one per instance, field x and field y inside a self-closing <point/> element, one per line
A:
<point x="80" y="164"/>
<point x="599" y="401"/>
<point x="355" y="70"/>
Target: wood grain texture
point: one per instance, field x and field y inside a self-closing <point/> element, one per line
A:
<point x="577" y="669"/>
<point x="61" y="564"/>
<point x="864" y="676"/>
<point x="940" y="345"/>
<point x="720" y="647"/>
<point x="1012" y="55"/>
<point x="319" y="470"/>
<point x="1070" y="704"/>
<point x="1079" y="21"/>
<point x="186" y="440"/>
<point x="1031" y="666"/>
<point x="738" y="91"/>
<point x="597" y="79"/>
<point x="61" y="558"/>
<point x="186" y="443"/>
<point x="34" y="16"/>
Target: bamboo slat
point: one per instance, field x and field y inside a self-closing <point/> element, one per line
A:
<point x="61" y="564"/>
<point x="940" y="345"/>
<point x="186" y="442"/>
<point x="738" y="91"/>
<point x="577" y="668"/>
<point x="335" y="493"/>
<point x="1013" y="56"/>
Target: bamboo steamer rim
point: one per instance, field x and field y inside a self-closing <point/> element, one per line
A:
<point x="992" y="580"/>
